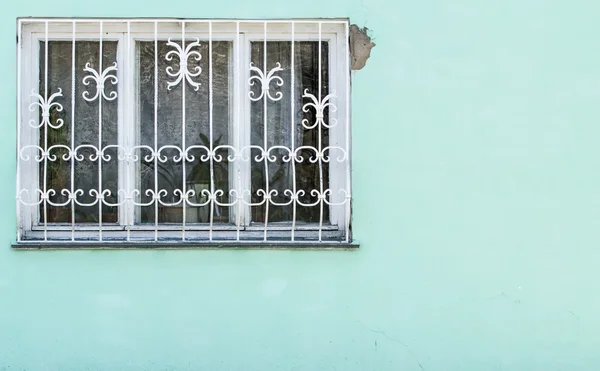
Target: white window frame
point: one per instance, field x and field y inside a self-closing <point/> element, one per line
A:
<point x="126" y="33"/>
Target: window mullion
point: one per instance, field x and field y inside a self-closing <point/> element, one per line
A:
<point x="234" y="114"/>
<point x="124" y="132"/>
<point x="244" y="125"/>
<point x="239" y="172"/>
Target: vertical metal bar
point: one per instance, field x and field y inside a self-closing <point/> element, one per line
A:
<point x="19" y="51"/>
<point x="46" y="134"/>
<point x="129" y="209"/>
<point x="293" y="131"/>
<point x="100" y="98"/>
<point x="183" y="86"/>
<point x="210" y="130"/>
<point x="238" y="123"/>
<point x="155" y="131"/>
<point x="320" y="144"/>
<point x="73" y="134"/>
<point x="265" y="134"/>
<point x="348" y="133"/>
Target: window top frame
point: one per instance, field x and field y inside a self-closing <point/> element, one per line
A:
<point x="166" y="25"/>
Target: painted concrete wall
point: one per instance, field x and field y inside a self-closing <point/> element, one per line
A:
<point x="477" y="203"/>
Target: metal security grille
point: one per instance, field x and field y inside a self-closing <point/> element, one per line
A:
<point x="183" y="130"/>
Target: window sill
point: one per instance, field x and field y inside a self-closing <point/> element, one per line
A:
<point x="180" y="245"/>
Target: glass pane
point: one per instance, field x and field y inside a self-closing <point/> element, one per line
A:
<point x="279" y="128"/>
<point x="86" y="123"/>
<point x="170" y="174"/>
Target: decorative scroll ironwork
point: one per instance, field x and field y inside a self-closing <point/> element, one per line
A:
<point x="265" y="81"/>
<point x="45" y="104"/>
<point x="100" y="79"/>
<point x="184" y="56"/>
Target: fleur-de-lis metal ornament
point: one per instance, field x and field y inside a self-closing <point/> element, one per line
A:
<point x="319" y="107"/>
<point x="265" y="81"/>
<point x="184" y="72"/>
<point x="100" y="80"/>
<point x="46" y="104"/>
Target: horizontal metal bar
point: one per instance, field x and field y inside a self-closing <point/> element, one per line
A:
<point x="192" y="227"/>
<point x="193" y="235"/>
<point x="149" y="245"/>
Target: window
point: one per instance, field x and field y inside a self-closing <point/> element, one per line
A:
<point x="183" y="130"/>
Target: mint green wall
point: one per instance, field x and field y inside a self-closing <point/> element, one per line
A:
<point x="477" y="203"/>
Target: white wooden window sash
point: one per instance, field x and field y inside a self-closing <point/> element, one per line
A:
<point x="33" y="196"/>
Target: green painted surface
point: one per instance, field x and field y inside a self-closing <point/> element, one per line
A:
<point x="477" y="204"/>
